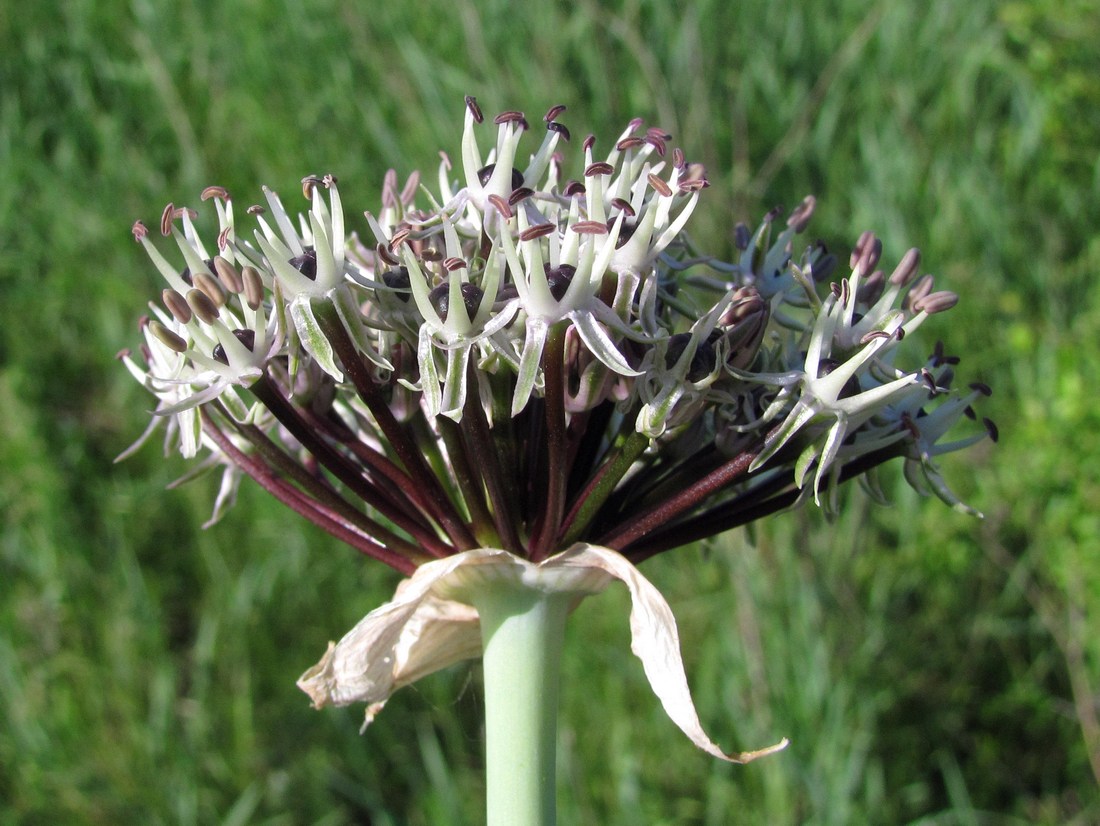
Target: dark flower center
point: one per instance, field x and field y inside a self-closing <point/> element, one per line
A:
<point x="306" y="264"/>
<point x="486" y="172"/>
<point x="398" y="281"/>
<point x="559" y="279"/>
<point x="245" y="337"/>
<point x="440" y="299"/>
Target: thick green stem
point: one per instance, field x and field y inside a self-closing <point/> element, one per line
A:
<point x="522" y="629"/>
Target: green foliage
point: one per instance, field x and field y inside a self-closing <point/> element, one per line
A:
<point x="928" y="668"/>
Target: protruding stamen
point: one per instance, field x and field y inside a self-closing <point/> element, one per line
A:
<point x="991" y="429"/>
<point x="906" y="268"/>
<point x="209" y="284"/>
<point x="228" y="275"/>
<point x="219" y="192"/>
<point x="629" y="143"/>
<point x="308" y="183"/>
<point x="166" y="219"/>
<point x="501" y="205"/>
<point x="800" y="216"/>
<point x="981" y="387"/>
<point x="176" y="304"/>
<point x="475" y="110"/>
<point x="256" y="209"/>
<point x="167" y="337"/>
<point x="590" y="228"/>
<point x="253" y="287"/>
<point x="937" y="302"/>
<point x="598" y="168"/>
<point x="659" y="185"/>
<point x="139" y="230"/>
<point x="552" y="114"/>
<point x="520" y="194"/>
<point x="537" y="231"/>
<point x="560" y="128"/>
<point x="202" y="306"/>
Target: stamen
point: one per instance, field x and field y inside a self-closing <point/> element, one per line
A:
<point x="166" y="219"/>
<point x="176" y="305"/>
<point x="936" y="302"/>
<point x="223" y="237"/>
<point x="202" y="306"/>
<point x="629" y="143"/>
<point x="520" y="194"/>
<point x="589" y="142"/>
<point x="139" y="230"/>
<point x="800" y="216"/>
<point x="383" y="253"/>
<point x="214" y="192"/>
<point x="256" y="209"/>
<point x="454" y="263"/>
<point x="253" y="287"/>
<point x="906" y="268"/>
<point x="210" y="285"/>
<point x="991" y="429"/>
<point x="874" y="335"/>
<point x="537" y="231"/>
<point x="412" y="183"/>
<point x="553" y="113"/>
<point x="308" y="183"/>
<point x="658" y="144"/>
<point x="598" y="168"/>
<point x="560" y="128"/>
<point x="511" y="116"/>
<point x="574" y="188"/>
<point x="659" y="185"/>
<point x="624" y="205"/>
<point x="590" y="228"/>
<point x="475" y="110"/>
<point x="678" y="159"/>
<point x="228" y="275"/>
<point x="399" y="238"/>
<point x="742" y="236"/>
<point x="981" y="387"/>
<point x="167" y="337"/>
<point x="501" y="205"/>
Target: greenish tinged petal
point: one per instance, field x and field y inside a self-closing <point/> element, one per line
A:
<point x="794" y="422"/>
<point x="602" y="347"/>
<point x="533" y="344"/>
<point x="454" y="386"/>
<point x="352" y="318"/>
<point x="278" y="259"/>
<point x="313" y="339"/>
<point x="429" y="375"/>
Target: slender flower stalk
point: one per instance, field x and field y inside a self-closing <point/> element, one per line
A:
<point x="524" y="385"/>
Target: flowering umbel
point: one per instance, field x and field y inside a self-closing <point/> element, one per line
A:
<point x="533" y="370"/>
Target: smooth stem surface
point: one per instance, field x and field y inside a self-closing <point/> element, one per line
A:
<point x="522" y="629"/>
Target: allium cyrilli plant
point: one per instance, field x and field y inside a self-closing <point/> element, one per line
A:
<point x="516" y="386"/>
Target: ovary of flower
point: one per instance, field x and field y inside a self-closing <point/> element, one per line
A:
<point x="431" y="624"/>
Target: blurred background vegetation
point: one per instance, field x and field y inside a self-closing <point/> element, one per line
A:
<point x="928" y="668"/>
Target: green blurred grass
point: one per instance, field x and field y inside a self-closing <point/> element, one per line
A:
<point x="928" y="668"/>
